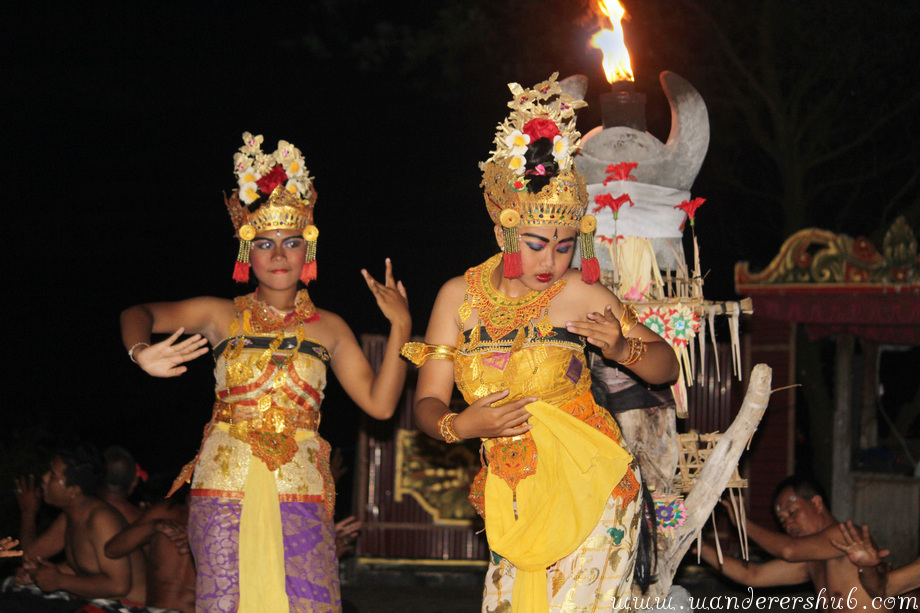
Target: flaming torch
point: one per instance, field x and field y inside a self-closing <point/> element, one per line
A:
<point x="622" y="106"/>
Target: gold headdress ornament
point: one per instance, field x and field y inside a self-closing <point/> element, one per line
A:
<point x="531" y="179"/>
<point x="283" y="178"/>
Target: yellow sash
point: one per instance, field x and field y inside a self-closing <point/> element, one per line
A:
<point x="262" y="574"/>
<point x="558" y="506"/>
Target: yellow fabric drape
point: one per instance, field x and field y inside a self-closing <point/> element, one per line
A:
<point x="262" y="574"/>
<point x="558" y="506"/>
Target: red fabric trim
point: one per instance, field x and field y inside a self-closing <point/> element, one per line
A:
<point x="292" y="373"/>
<point x="216" y="493"/>
<point x="251" y="387"/>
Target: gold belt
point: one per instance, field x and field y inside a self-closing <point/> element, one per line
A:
<point x="297" y="418"/>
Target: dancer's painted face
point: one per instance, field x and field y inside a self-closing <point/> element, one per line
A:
<point x="277" y="257"/>
<point x="546" y="253"/>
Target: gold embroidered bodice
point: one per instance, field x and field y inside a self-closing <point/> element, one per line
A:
<point x="268" y="386"/>
<point x="512" y="344"/>
<point x="549" y="365"/>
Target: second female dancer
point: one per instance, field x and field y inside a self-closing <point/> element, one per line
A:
<point x="558" y="492"/>
<point x="262" y="497"/>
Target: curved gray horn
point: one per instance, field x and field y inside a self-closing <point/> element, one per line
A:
<point x="689" y="139"/>
<point x="576" y="86"/>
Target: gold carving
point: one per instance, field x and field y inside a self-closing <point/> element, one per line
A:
<point x="817" y="256"/>
<point x="437" y="475"/>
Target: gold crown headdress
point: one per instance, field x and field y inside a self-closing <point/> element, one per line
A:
<point x="283" y="178"/>
<point x="531" y="179"/>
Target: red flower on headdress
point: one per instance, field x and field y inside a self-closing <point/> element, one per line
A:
<point x="606" y="200"/>
<point x="275" y="177"/>
<point x="620" y="172"/>
<point x="541" y="128"/>
<point x="690" y="207"/>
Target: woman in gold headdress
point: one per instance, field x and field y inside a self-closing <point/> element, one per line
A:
<point x="262" y="497"/>
<point x="558" y="492"/>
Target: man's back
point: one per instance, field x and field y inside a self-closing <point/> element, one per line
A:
<point x="88" y="529"/>
<point x="171" y="569"/>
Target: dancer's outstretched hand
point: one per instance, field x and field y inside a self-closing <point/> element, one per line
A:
<point x="391" y="296"/>
<point x="165" y="359"/>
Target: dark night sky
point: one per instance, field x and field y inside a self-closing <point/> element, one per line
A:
<point x="120" y="132"/>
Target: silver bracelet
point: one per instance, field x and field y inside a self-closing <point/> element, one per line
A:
<point x="133" y="347"/>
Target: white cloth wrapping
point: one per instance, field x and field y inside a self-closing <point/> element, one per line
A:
<point x="653" y="215"/>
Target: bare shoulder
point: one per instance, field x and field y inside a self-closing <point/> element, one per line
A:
<point x="330" y="329"/>
<point x="104" y="518"/>
<point x="453" y="291"/>
<point x="329" y="319"/>
<point x="580" y="298"/>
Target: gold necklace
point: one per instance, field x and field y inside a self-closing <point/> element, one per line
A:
<point x="265" y="318"/>
<point x="501" y="314"/>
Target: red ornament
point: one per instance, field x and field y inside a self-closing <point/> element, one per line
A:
<point x="275" y="177"/>
<point x="606" y="200"/>
<point x="690" y="207"/>
<point x="620" y="172"/>
<point x="541" y="128"/>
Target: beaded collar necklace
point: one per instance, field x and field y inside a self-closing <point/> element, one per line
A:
<point x="501" y="314"/>
<point x="265" y="318"/>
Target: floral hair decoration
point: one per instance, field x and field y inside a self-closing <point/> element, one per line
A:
<point x="531" y="179"/>
<point x="274" y="192"/>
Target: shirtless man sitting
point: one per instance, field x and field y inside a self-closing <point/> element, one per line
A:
<point x="162" y="530"/>
<point x="804" y="553"/>
<point x="117" y="485"/>
<point x="89" y="524"/>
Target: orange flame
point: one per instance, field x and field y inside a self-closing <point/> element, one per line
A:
<point x="616" y="56"/>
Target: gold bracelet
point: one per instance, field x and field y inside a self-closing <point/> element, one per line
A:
<point x="637" y="350"/>
<point x="446" y="428"/>
<point x="628" y="319"/>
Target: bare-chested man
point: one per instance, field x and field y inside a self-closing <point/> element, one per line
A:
<point x="162" y="530"/>
<point x="90" y="523"/>
<point x="116" y="487"/>
<point x="804" y="553"/>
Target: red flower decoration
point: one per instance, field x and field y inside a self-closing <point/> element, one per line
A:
<point x="606" y="200"/>
<point x="620" y="172"/>
<point x="690" y="207"/>
<point x="273" y="179"/>
<point x="541" y="128"/>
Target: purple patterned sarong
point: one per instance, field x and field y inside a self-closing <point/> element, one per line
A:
<point x="311" y="568"/>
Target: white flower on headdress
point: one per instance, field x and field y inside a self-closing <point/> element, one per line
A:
<point x="264" y="164"/>
<point x="294" y="167"/>
<point x="517" y="164"/>
<point x="252" y="144"/>
<point x="517" y="142"/>
<point x="286" y="153"/>
<point x="245" y="174"/>
<point x="298" y="188"/>
<point x="249" y="192"/>
<point x="560" y="148"/>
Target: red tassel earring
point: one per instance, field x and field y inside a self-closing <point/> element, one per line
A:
<point x="308" y="272"/>
<point x="241" y="268"/>
<point x="511" y="262"/>
<point x="590" y="268"/>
